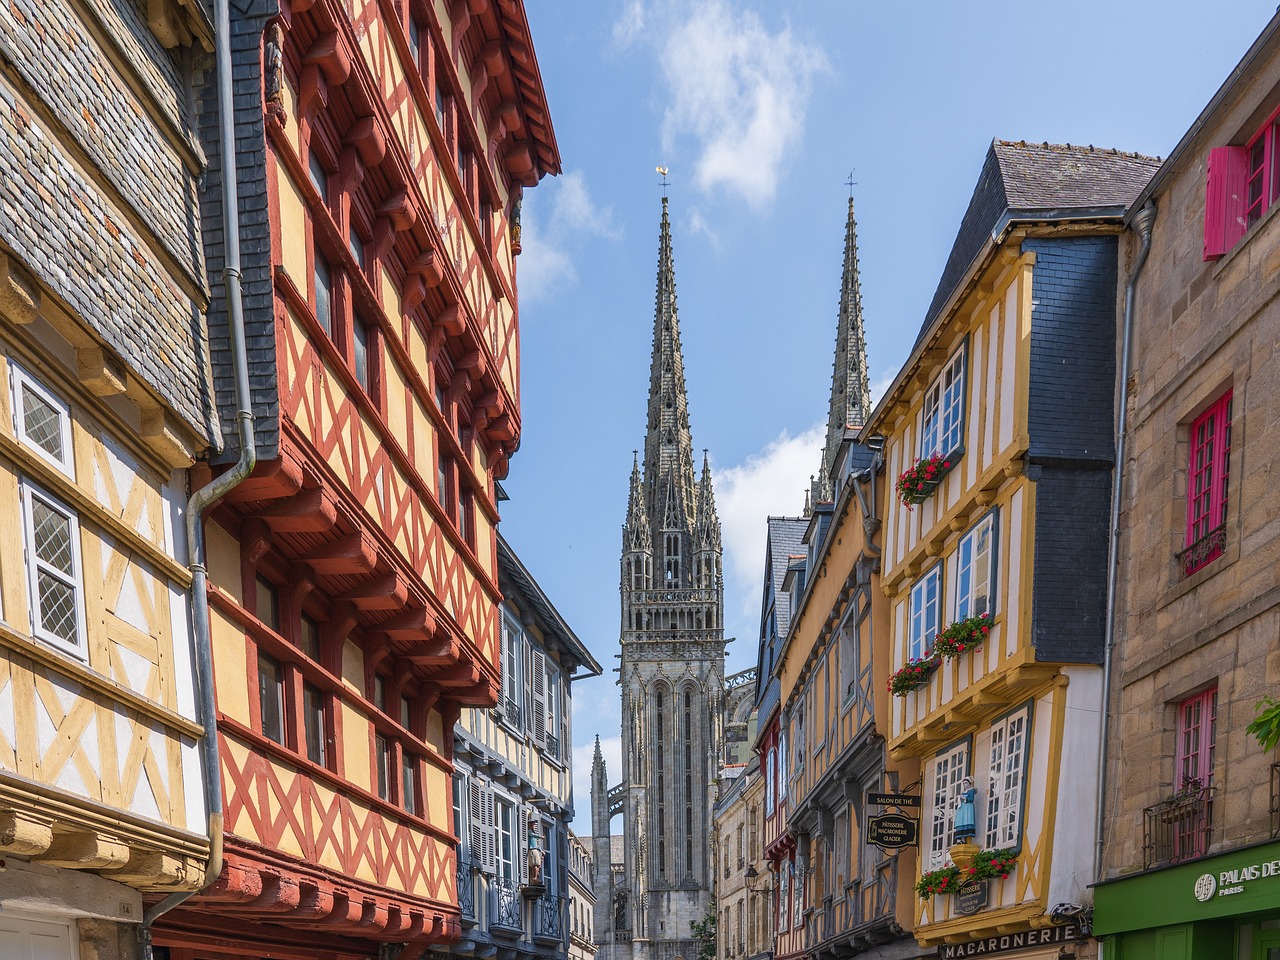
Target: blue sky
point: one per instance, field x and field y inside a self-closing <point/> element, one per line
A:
<point x="761" y="110"/>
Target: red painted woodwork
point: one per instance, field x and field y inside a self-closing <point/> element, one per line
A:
<point x="1224" y="209"/>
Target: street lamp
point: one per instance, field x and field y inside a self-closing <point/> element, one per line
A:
<point x="753" y="874"/>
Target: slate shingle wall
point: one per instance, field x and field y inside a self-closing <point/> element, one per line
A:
<point x="1070" y="415"/>
<point x="1073" y="348"/>
<point x="255" y="234"/>
<point x="1069" y="595"/>
<point x="61" y="187"/>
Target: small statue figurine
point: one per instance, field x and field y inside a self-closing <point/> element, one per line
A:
<point x="535" y="853"/>
<point x="966" y="820"/>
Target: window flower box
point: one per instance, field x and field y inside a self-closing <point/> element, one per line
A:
<point x="987" y="865"/>
<point x="914" y="673"/>
<point x="962" y="637"/>
<point x="917" y="483"/>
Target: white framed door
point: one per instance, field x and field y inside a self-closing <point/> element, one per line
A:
<point x="23" y="939"/>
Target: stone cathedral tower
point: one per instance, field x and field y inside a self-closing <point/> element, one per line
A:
<point x="672" y="677"/>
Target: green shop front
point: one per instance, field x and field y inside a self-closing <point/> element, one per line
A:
<point x="1225" y="907"/>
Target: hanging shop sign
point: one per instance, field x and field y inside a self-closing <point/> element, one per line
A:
<point x="1004" y="942"/>
<point x="895" y="800"/>
<point x="892" y="831"/>
<point x="971" y="898"/>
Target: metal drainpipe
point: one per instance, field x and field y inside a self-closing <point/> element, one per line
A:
<point x="1142" y="222"/>
<point x="216" y="489"/>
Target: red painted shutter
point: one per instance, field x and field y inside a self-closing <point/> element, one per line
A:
<point x="1224" y="224"/>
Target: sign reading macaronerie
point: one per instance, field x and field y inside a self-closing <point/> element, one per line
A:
<point x="989" y="946"/>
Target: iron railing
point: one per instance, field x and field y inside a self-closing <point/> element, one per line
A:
<point x="466" y="889"/>
<point x="548" y="915"/>
<point x="1179" y="828"/>
<point x="1275" y="800"/>
<point x="506" y="905"/>
<point x="553" y="747"/>
<point x="1209" y="547"/>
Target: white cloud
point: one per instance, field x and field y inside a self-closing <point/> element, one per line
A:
<point x="543" y="265"/>
<point x="629" y="26"/>
<point x="546" y="261"/>
<point x="882" y="383"/>
<point x="695" y="223"/>
<point x="769" y="483"/>
<point x="574" y="209"/>
<point x="738" y="91"/>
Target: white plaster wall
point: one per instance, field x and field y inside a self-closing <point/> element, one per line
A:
<point x="1073" y="844"/>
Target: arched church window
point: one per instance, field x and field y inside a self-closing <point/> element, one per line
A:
<point x="671" y="556"/>
<point x="688" y="782"/>
<point x="661" y="806"/>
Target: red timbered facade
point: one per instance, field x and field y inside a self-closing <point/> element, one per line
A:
<point x="353" y="576"/>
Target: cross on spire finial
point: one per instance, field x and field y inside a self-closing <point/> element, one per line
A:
<point x="663" y="171"/>
<point x="851" y="183"/>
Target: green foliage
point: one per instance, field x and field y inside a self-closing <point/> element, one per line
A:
<point x="1266" y="723"/>
<point x="987" y="865"/>
<point x="704" y="931"/>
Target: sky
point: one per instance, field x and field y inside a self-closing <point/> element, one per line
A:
<point x="762" y="111"/>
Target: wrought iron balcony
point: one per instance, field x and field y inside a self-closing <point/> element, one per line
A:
<point x="1207" y="548"/>
<point x="1179" y="828"/>
<point x="506" y="913"/>
<point x="548" y="914"/>
<point x="553" y="747"/>
<point x="466" y="889"/>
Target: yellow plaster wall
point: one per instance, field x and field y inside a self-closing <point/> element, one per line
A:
<point x="293" y="230"/>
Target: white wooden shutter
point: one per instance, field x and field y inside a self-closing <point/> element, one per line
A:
<point x="491" y="831"/>
<point x="475" y="824"/>
<point x="521" y="835"/>
<point x="539" y="707"/>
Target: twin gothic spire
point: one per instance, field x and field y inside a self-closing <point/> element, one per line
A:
<point x="666" y="497"/>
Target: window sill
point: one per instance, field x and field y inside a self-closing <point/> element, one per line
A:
<point x="1180" y="585"/>
<point x="1243" y="242"/>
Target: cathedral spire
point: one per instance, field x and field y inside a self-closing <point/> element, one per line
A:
<point x="850" y="390"/>
<point x="636" y="535"/>
<point x="668" y="444"/>
<point x="707" y="531"/>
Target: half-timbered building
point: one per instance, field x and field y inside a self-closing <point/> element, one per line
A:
<point x="852" y="897"/>
<point x="512" y="782"/>
<point x="382" y="149"/>
<point x="104" y="402"/>
<point x="999" y="430"/>
<point x="783" y="582"/>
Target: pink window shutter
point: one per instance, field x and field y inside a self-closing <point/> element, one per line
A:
<point x="1224" y="222"/>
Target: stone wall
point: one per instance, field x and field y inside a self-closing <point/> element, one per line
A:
<point x="1199" y="329"/>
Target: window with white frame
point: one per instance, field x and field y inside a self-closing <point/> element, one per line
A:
<point x="511" y="662"/>
<point x="54" y="577"/>
<point x="507" y="835"/>
<point x="797" y="891"/>
<point x="769" y="772"/>
<point x="1006" y="783"/>
<point x="41" y="420"/>
<point x="948" y="769"/>
<point x="782" y="765"/>
<point x="942" y="423"/>
<point x="923" y="625"/>
<point x="784" y="895"/>
<point x="975" y="564"/>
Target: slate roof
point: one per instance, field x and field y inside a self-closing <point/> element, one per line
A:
<point x="786" y="539"/>
<point x="1021" y="180"/>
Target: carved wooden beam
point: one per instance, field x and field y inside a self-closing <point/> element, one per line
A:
<point x="354" y="553"/>
<point x="310" y="511"/>
<point x="85" y="850"/>
<point x="23" y="834"/>
<point x="381" y="593"/>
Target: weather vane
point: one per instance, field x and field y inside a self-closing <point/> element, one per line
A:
<point x="663" y="171"/>
<point x="851" y="183"/>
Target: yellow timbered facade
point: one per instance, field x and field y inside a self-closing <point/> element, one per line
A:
<point x="104" y="404"/>
<point x="998" y="431"/>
